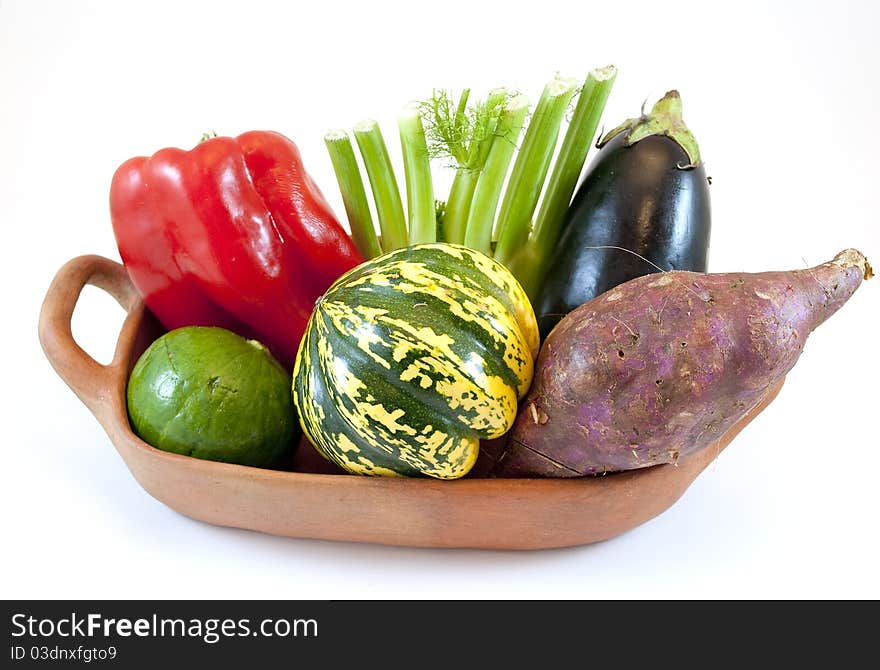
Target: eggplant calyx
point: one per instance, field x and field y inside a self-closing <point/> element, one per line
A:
<point x="664" y="119"/>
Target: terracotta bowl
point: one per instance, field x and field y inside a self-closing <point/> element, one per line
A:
<point x="310" y="500"/>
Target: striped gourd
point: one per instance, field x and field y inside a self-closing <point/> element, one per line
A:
<point x="413" y="357"/>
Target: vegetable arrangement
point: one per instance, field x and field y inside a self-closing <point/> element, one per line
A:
<point x="405" y="345"/>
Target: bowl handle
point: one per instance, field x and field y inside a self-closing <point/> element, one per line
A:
<point x="82" y="373"/>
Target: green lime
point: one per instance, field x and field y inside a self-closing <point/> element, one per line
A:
<point x="208" y="393"/>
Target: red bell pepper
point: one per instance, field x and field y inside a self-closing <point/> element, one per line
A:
<point x="233" y="233"/>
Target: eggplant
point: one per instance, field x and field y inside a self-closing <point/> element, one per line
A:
<point x="642" y="207"/>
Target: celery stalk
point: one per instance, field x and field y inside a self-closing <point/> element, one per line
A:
<point x="486" y="117"/>
<point x="478" y="234"/>
<point x="530" y="264"/>
<point x="530" y="168"/>
<point x="389" y="209"/>
<point x="466" y="136"/>
<point x="461" y="113"/>
<point x="447" y="127"/>
<point x="363" y="234"/>
<point x="458" y="204"/>
<point x="417" y="170"/>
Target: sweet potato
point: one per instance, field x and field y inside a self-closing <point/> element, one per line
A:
<point x="661" y="366"/>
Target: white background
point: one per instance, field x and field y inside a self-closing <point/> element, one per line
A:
<point x="783" y="99"/>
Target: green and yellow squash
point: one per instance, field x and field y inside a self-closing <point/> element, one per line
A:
<point x="411" y="358"/>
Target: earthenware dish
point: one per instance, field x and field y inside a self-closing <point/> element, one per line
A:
<point x="307" y="501"/>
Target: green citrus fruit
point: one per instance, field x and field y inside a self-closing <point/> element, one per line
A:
<point x="208" y="393"/>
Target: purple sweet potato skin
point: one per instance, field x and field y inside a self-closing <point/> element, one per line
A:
<point x="663" y="365"/>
